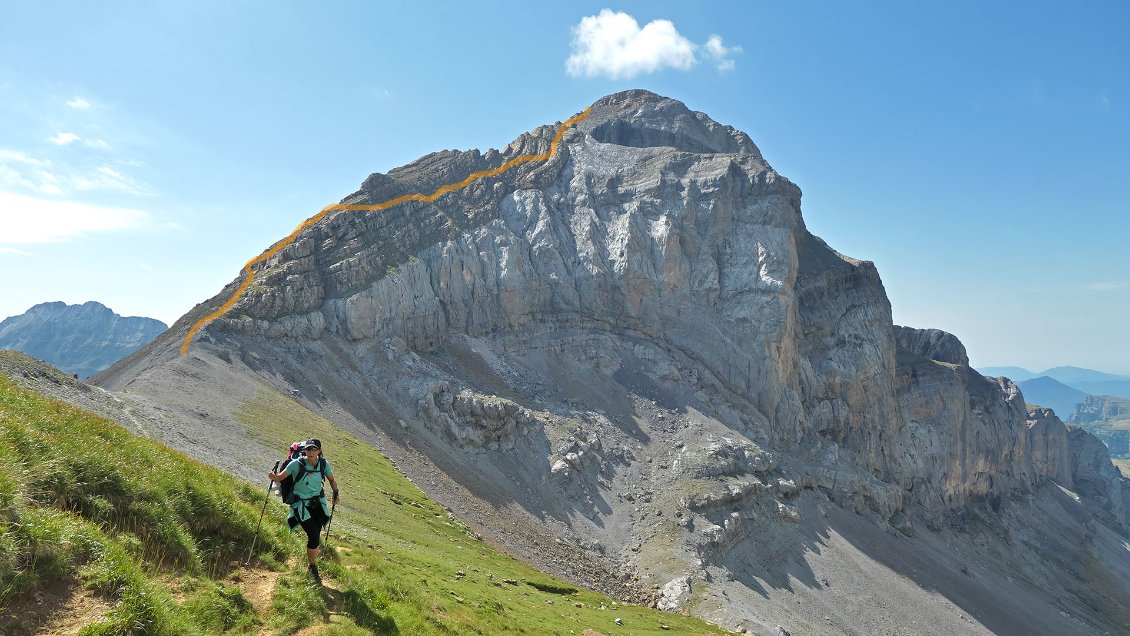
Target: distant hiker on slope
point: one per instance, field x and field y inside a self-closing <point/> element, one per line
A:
<point x="307" y="500"/>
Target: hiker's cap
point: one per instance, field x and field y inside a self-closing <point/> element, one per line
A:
<point x="312" y="443"/>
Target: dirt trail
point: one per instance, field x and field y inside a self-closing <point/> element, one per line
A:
<point x="65" y="609"/>
<point x="69" y="608"/>
<point x="258" y="586"/>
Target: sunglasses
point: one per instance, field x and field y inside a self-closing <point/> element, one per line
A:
<point x="312" y="448"/>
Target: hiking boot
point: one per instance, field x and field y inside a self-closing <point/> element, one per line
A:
<point x="314" y="573"/>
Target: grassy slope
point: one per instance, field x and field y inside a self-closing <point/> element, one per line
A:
<point x="84" y="502"/>
<point x="159" y="536"/>
<point x="418" y="570"/>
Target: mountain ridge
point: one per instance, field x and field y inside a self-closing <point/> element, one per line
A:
<point x="638" y="348"/>
<point x="82" y="339"/>
<point x="1047" y="391"/>
<point x="1088" y="381"/>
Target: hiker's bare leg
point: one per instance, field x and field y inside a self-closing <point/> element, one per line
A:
<point x="311" y="555"/>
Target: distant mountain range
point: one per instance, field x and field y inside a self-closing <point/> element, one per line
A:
<point x="1053" y="394"/>
<point x="82" y="339"/>
<point x="1063" y="388"/>
<point x="1016" y="374"/>
<point x="1075" y="375"/>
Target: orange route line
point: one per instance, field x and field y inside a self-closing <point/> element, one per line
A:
<point x="428" y="198"/>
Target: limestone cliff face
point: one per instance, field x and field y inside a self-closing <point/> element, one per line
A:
<point x="612" y="232"/>
<point x="1052" y="456"/>
<point x="642" y="327"/>
<point x="973" y="437"/>
<point x="966" y="435"/>
<point x="1096" y="479"/>
<point x="655" y="221"/>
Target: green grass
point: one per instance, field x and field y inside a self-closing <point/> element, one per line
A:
<point x="158" y="537"/>
<point x="404" y="565"/>
<point x="83" y="501"/>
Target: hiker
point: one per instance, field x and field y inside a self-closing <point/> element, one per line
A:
<point x="308" y="500"/>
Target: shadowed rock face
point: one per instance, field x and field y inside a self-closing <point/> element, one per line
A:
<point x="934" y="344"/>
<point x="639" y="342"/>
<point x="1095" y="478"/>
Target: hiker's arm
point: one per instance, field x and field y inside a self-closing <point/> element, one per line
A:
<point x="279" y="476"/>
<point x="333" y="484"/>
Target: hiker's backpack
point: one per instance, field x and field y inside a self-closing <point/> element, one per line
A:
<point x="296" y="454"/>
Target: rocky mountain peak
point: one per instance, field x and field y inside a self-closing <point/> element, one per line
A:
<point x="639" y="162"/>
<point x="642" y="119"/>
<point x="637" y="347"/>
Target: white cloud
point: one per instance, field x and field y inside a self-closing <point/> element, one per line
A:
<point x="23" y="172"/>
<point x="64" y="138"/>
<point x="612" y="44"/>
<point x="720" y="53"/>
<point x="78" y="103"/>
<point x="48" y="187"/>
<point x="68" y="138"/>
<point x="17" y="156"/>
<point x="97" y="144"/>
<point x="14" y="251"/>
<point x="29" y="220"/>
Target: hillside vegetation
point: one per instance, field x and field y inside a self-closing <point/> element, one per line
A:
<point x="421" y="570"/>
<point x="146" y="536"/>
<point x="103" y="532"/>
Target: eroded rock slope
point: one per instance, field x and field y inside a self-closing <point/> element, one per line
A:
<point x="638" y="347"/>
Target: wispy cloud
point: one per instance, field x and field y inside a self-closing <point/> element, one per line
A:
<point x="21" y="171"/>
<point x="17" y="156"/>
<point x="78" y="103"/>
<point x="105" y="178"/>
<point x="1107" y="286"/>
<point x="612" y="44"/>
<point x="720" y="53"/>
<point x="64" y="138"/>
<point x="68" y="138"/>
<point x="97" y="144"/>
<point x="31" y="220"/>
<point x="13" y="251"/>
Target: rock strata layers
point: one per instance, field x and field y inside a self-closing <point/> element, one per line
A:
<point x="640" y="343"/>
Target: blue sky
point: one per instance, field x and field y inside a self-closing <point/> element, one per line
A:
<point x="976" y="151"/>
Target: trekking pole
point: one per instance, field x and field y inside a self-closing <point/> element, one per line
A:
<point x="265" y="500"/>
<point x="331" y="520"/>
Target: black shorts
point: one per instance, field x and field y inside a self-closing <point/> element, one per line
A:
<point x="313" y="525"/>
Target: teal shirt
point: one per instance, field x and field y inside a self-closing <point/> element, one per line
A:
<point x="311" y="484"/>
<point x="305" y="490"/>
